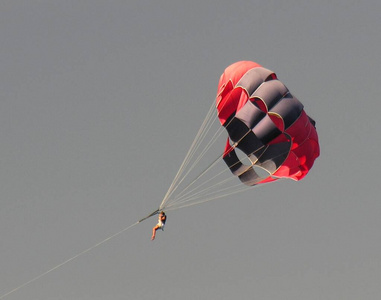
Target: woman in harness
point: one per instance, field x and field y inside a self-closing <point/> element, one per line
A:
<point x="160" y="224"/>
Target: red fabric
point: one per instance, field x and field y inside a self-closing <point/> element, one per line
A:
<point x="230" y="100"/>
<point x="304" y="149"/>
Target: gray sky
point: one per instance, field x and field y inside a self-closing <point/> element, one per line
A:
<point x="99" y="102"/>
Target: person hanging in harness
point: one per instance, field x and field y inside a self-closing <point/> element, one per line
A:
<point x="160" y="224"/>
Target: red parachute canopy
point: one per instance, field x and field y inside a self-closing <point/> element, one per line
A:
<point x="266" y="122"/>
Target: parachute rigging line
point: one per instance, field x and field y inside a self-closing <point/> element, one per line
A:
<point x="204" y="129"/>
<point x="70" y="259"/>
<point x="196" y="192"/>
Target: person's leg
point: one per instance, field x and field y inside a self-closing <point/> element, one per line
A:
<point x="154" y="232"/>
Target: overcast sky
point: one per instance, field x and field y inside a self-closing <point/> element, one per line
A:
<point x="99" y="103"/>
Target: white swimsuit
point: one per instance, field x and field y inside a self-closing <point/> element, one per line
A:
<point x="161" y="225"/>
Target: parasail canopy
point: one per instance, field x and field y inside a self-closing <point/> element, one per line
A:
<point x="270" y="137"/>
<point x="265" y="121"/>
